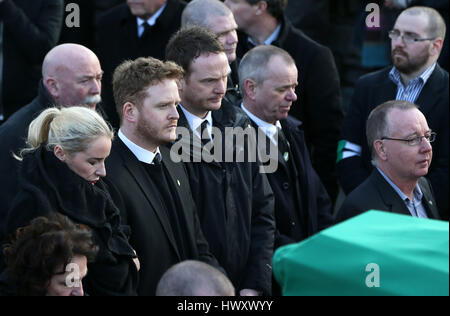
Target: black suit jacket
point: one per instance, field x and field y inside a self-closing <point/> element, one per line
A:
<point x="319" y="99"/>
<point x="307" y="189"/>
<point x="30" y="30"/>
<point x="117" y="40"/>
<point x="375" y="193"/>
<point x="151" y="231"/>
<point x="235" y="205"/>
<point x="376" y="88"/>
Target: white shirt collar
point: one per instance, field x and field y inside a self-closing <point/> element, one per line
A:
<point x="150" y="21"/>
<point x="141" y="154"/>
<point x="195" y="121"/>
<point x="268" y="128"/>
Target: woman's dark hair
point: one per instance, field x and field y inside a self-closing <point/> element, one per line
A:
<point x="44" y="248"/>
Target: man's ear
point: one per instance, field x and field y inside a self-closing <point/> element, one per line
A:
<point x="250" y="88"/>
<point x="129" y="112"/>
<point x="59" y="153"/>
<point x="261" y="7"/>
<point x="52" y="87"/>
<point x="380" y="149"/>
<point x="436" y="47"/>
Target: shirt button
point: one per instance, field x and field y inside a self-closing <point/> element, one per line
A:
<point x="286" y="185"/>
<point x="293" y="223"/>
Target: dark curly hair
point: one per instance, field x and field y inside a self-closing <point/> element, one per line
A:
<point x="44" y="248"/>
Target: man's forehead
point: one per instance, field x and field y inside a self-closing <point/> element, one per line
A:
<point x="209" y="62"/>
<point x="412" y="23"/>
<point x="220" y="24"/>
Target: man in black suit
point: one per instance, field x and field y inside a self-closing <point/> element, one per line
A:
<point x="268" y="81"/>
<point x="28" y="30"/>
<point x="416" y="77"/>
<point x="71" y="75"/>
<point x="401" y="150"/>
<point x="319" y="102"/>
<point x="138" y="28"/>
<point x="154" y="191"/>
<point x="302" y="206"/>
<point x="234" y="200"/>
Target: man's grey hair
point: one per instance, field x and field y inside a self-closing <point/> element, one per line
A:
<point x="436" y="25"/>
<point x="378" y="126"/>
<point x="200" y="12"/>
<point x="254" y="64"/>
<point x="194" y="278"/>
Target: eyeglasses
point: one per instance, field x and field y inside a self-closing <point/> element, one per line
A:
<point x="407" y="38"/>
<point x="416" y="140"/>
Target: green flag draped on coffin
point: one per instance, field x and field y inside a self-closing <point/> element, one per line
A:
<point x="375" y="253"/>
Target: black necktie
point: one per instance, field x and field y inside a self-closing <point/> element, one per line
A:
<point x="157" y="159"/>
<point x="147" y="30"/>
<point x="283" y="144"/>
<point x="204" y="136"/>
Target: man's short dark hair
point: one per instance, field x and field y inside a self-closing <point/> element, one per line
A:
<point x="275" y="7"/>
<point x="189" y="43"/>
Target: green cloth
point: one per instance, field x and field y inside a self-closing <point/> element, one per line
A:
<point x="411" y="254"/>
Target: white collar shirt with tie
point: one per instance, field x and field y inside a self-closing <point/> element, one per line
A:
<point x="150" y="21"/>
<point x="143" y="155"/>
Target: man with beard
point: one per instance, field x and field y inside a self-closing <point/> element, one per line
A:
<point x="416" y="77"/>
<point x="400" y="142"/>
<point x="71" y="75"/>
<point x="154" y="191"/>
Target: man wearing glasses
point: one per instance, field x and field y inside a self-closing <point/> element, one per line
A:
<point x="401" y="151"/>
<point x="416" y="41"/>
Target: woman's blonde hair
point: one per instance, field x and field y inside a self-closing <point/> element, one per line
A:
<point x="72" y="128"/>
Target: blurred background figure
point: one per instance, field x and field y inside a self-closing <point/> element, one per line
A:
<point x="28" y="30"/>
<point x="137" y="28"/>
<point x="48" y="257"/>
<point x="194" y="278"/>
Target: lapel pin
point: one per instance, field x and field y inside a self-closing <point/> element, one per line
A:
<point x="179" y="184"/>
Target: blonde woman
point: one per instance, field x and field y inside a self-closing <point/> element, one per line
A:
<point x="61" y="172"/>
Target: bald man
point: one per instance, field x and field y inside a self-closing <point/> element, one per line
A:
<point x="194" y="278"/>
<point x="71" y="75"/>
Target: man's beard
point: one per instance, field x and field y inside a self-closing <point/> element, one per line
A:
<point x="407" y="65"/>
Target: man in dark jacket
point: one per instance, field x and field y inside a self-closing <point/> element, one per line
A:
<point x="138" y="28"/>
<point x="416" y="77"/>
<point x="71" y="76"/>
<point x="401" y="150"/>
<point x="302" y="206"/>
<point x="319" y="103"/>
<point x="29" y="30"/>
<point x="234" y="199"/>
<point x="155" y="191"/>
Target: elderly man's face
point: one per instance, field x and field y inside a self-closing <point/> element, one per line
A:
<point x="274" y="97"/>
<point x="145" y="8"/>
<point x="79" y="82"/>
<point x="410" y="58"/>
<point x="405" y="162"/>
<point x="225" y="28"/>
